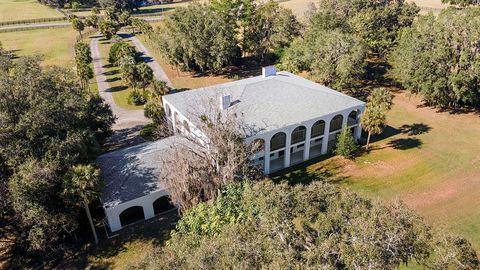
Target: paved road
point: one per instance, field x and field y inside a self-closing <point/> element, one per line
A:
<point x="147" y="57"/>
<point x="126" y="119"/>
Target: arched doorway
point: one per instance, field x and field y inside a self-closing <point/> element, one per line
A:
<point x="318" y="131"/>
<point x="162" y="204"/>
<point x="353" y="118"/>
<point x="335" y="128"/>
<point x="299" y="134"/>
<point x="131" y="215"/>
<point x="277" y="151"/>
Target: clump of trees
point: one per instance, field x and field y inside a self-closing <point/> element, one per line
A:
<point x="48" y="123"/>
<point x="318" y="226"/>
<point x="340" y="35"/>
<point x="331" y="57"/>
<point x="462" y="3"/>
<point x="439" y="58"/>
<point x="204" y="37"/>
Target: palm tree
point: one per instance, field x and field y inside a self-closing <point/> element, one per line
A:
<point x="85" y="184"/>
<point x="374" y="118"/>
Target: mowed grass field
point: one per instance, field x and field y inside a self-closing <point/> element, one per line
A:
<point x="428" y="159"/>
<point x="54" y="45"/>
<point x="12" y="10"/>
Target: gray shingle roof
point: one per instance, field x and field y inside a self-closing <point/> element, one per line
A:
<point x="266" y="103"/>
<point x="134" y="172"/>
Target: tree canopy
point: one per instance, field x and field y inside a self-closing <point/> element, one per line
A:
<point x="197" y="38"/>
<point x="48" y="124"/>
<point x="439" y="58"/>
<point x="319" y="226"/>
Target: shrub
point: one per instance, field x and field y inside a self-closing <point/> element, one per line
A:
<point x="346" y="145"/>
<point x="136" y="98"/>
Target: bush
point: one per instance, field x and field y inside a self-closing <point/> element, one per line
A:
<point x="120" y="50"/>
<point x="346" y="145"/>
<point x="67" y="6"/>
<point x="136" y="98"/>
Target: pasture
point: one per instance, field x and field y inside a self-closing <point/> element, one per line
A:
<point x="12" y="10"/>
<point x="54" y="45"/>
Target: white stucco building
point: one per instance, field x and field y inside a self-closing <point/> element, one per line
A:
<point x="295" y="120"/>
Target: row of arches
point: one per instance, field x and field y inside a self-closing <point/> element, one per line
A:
<point x="299" y="134"/>
<point x="298" y="148"/>
<point x="136" y="213"/>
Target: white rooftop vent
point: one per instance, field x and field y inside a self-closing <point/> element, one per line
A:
<point x="269" y="71"/>
<point x="225" y="102"/>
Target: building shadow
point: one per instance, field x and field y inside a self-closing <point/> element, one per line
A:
<point x="305" y="173"/>
<point x="405" y="143"/>
<point x="415" y="129"/>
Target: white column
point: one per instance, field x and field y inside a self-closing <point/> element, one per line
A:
<point x="306" y="151"/>
<point x="148" y="208"/>
<point x="358" y="130"/>
<point x="113" y="219"/>
<point x="345" y="121"/>
<point x="174" y="121"/>
<point x="326" y="134"/>
<point x="287" y="148"/>
<point x="267" y="157"/>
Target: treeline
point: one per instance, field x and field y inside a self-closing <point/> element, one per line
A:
<point x="51" y="129"/>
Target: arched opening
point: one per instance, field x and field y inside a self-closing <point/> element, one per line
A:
<point x="297" y="150"/>
<point x="353" y="118"/>
<point x="131" y="215"/>
<point x="335" y="126"/>
<point x="336" y="123"/>
<point x="162" y="204"/>
<point x="318" y="130"/>
<point x="278" y="141"/>
<point x="277" y="149"/>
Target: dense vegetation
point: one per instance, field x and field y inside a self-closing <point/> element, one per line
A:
<point x="439" y="58"/>
<point x="48" y="123"/>
<point x="205" y="37"/>
<point x="318" y="226"/>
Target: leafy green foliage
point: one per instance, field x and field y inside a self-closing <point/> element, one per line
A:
<point x="331" y="57"/>
<point x="439" y="58"/>
<point x="78" y="25"/>
<point x="120" y="50"/>
<point x="376" y="22"/>
<point x="48" y="124"/>
<point x="319" y="226"/>
<point x="462" y="3"/>
<point x="154" y="106"/>
<point x="108" y="28"/>
<point x="83" y="59"/>
<point x="346" y="145"/>
<point x="136" y="98"/>
<point x="197" y="38"/>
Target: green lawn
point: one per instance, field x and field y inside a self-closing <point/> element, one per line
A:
<point x="119" y="91"/>
<point x="428" y="159"/>
<point x="13" y="10"/>
<point x="55" y="45"/>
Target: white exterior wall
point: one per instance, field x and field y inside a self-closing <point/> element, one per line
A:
<point x="267" y="136"/>
<point x="146" y="202"/>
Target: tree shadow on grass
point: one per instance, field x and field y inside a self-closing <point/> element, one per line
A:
<point x="405" y="143"/>
<point x="114" y="79"/>
<point x="415" y="129"/>
<point x="111" y="72"/>
<point x="117" y="88"/>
